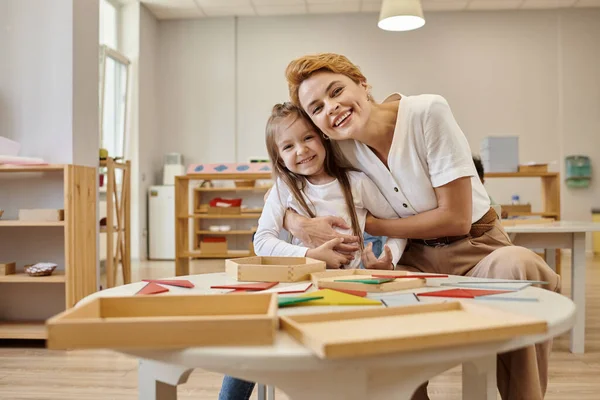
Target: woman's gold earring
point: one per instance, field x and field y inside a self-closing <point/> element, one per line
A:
<point x="325" y="137"/>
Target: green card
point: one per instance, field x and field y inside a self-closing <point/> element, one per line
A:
<point x="367" y="281"/>
<point x="288" y="301"/>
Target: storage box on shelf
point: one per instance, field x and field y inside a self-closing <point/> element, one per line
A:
<point x="238" y="227"/>
<point x="30" y="241"/>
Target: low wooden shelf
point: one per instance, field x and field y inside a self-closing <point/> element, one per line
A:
<point x="22" y="330"/>
<point x="186" y="213"/>
<point x="56" y="277"/>
<point x="31" y="223"/>
<point x="78" y="273"/>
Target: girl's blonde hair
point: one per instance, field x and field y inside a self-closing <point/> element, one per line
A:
<point x="335" y="164"/>
<point x="302" y="68"/>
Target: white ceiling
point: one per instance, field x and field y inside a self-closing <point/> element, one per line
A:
<point x="176" y="9"/>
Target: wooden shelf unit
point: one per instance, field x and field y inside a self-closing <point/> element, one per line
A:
<point x="79" y="228"/>
<point x="22" y="330"/>
<point x="186" y="213"/>
<point x="118" y="221"/>
<point x="550" y="197"/>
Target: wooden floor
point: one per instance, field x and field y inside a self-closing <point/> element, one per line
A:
<point x="28" y="371"/>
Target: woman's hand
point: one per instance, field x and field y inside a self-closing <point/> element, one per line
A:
<point x="315" y="232"/>
<point x="332" y="258"/>
<point x="371" y="262"/>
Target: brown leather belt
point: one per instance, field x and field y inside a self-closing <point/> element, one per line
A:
<point x="478" y="228"/>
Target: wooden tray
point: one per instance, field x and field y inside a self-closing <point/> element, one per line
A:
<point x="377" y="331"/>
<point x="326" y="280"/>
<point x="273" y="269"/>
<point x="166" y="322"/>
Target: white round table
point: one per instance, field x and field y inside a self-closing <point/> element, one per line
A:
<point x="295" y="370"/>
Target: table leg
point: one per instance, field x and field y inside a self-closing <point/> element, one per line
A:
<point x="578" y="291"/>
<point x="158" y="381"/>
<point x="265" y="392"/>
<point x="479" y="379"/>
<point x="349" y="383"/>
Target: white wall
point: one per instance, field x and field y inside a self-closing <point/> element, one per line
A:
<point x="197" y="89"/>
<point x="129" y="45"/>
<point x="48" y="78"/>
<point x="150" y="143"/>
<point x="580" y="106"/>
<point x="527" y="73"/>
<point x="36" y="77"/>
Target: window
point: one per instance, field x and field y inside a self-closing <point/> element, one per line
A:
<point x="114" y="69"/>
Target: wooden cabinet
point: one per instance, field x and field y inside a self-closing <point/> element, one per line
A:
<point x="191" y="204"/>
<point x="25" y="301"/>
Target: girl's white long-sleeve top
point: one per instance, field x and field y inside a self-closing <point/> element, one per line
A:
<point x="324" y="200"/>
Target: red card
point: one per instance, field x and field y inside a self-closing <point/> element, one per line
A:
<point x="359" y="293"/>
<point x="175" y="282"/>
<point x="409" y="276"/>
<point x="152" y="288"/>
<point x="247" y="286"/>
<point x="463" y="293"/>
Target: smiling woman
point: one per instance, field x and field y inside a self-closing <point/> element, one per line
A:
<point x="414" y="151"/>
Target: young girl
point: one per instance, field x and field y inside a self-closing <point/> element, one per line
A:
<point x="313" y="179"/>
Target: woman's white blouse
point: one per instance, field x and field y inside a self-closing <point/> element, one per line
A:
<point x="428" y="150"/>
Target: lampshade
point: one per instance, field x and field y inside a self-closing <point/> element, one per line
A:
<point x="401" y="15"/>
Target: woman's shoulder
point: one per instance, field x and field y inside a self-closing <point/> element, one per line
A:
<point x="357" y="177"/>
<point x="423" y="102"/>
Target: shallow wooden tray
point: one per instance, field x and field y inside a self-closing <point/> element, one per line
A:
<point x="326" y="280"/>
<point x="376" y="331"/>
<point x="273" y="269"/>
<point x="166" y="322"/>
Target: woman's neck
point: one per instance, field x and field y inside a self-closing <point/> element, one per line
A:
<point x="379" y="130"/>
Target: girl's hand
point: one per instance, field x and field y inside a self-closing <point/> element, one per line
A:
<point x="332" y="258"/>
<point x="371" y="262"/>
<point x="315" y="232"/>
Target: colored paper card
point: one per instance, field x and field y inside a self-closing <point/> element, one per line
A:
<point x="174" y="282"/>
<point x="247" y="286"/>
<point x="289" y="301"/>
<point x="462" y="293"/>
<point x="336" y="298"/>
<point x="506" y="298"/>
<point x="422" y="276"/>
<point x="367" y="281"/>
<point x="360" y="293"/>
<point x="152" y="288"/>
<point x="500" y="286"/>
<point x="404" y="299"/>
<point x="299" y="288"/>
<point x="506" y="281"/>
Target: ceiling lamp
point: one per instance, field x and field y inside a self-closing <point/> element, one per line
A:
<point x="401" y="15"/>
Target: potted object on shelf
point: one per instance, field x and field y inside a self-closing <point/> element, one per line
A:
<point x="40" y="269"/>
<point x="243" y="183"/>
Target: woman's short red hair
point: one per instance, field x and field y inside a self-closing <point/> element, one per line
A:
<point x="302" y="68"/>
